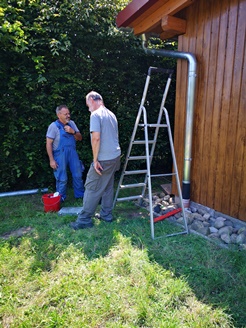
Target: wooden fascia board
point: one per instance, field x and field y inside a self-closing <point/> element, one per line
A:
<point x="172" y="27"/>
<point x="135" y="9"/>
<point x="140" y="15"/>
<point x="167" y="35"/>
<point x="169" y="8"/>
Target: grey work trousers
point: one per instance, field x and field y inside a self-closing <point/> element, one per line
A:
<point x="99" y="187"/>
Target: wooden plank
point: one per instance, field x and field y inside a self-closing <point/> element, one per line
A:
<point x="169" y="8"/>
<point x="154" y="7"/>
<point x="180" y="112"/>
<point x="212" y="111"/>
<point x="216" y="35"/>
<point x="170" y="23"/>
<point x="180" y="100"/>
<point x="230" y="111"/>
<point x="134" y="9"/>
<point x="215" y="80"/>
<point x="241" y="150"/>
<point x="228" y="55"/>
<point x="168" y="35"/>
<point x="217" y="109"/>
<point x="196" y="46"/>
<point x="238" y="103"/>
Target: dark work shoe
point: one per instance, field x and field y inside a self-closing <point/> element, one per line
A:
<point x="97" y="215"/>
<point x="77" y="226"/>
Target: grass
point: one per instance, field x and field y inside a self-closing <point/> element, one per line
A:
<point x="113" y="275"/>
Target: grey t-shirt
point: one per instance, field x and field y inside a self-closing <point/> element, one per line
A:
<point x="104" y="121"/>
<point x="54" y="133"/>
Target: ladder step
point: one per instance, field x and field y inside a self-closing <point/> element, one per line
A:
<point x="135" y="172"/>
<point x="163" y="175"/>
<point x="154" y="125"/>
<point x="133" y="185"/>
<point x="135" y="158"/>
<point x="142" y="142"/>
<point x="148" y="155"/>
<point x="129" y="198"/>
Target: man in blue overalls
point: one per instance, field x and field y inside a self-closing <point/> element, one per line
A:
<point x="61" y="140"/>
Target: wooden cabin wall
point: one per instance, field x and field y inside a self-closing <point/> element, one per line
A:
<point x="216" y="35"/>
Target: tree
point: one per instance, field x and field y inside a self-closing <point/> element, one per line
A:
<point x="55" y="52"/>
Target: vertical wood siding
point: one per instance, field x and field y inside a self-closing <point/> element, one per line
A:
<point x="216" y="35"/>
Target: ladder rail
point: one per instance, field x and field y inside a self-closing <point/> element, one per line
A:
<point x="175" y="167"/>
<point x="141" y="107"/>
<point x="158" y="123"/>
<point x="146" y="86"/>
<point x="150" y="146"/>
<point x="128" y="154"/>
<point x="148" y="162"/>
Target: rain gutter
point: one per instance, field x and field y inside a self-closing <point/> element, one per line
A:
<point x="190" y="100"/>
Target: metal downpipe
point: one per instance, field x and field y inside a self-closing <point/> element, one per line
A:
<point x="189" y="110"/>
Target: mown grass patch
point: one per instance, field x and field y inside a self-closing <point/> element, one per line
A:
<point x="113" y="275"/>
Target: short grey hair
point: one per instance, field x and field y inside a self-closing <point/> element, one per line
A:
<point x="94" y="95"/>
<point x="59" y="108"/>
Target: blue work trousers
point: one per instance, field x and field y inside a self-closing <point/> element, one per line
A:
<point x="67" y="157"/>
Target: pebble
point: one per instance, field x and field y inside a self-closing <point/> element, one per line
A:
<point x="227" y="231"/>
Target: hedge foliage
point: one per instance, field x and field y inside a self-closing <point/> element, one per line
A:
<point x="55" y="52"/>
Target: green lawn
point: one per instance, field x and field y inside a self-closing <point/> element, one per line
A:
<point x="113" y="275"/>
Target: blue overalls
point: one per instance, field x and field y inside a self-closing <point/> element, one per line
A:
<point x="66" y="155"/>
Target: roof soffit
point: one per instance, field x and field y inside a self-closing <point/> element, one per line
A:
<point x="154" y="16"/>
<point x="135" y="9"/>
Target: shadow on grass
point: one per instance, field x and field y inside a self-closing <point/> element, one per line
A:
<point x="216" y="276"/>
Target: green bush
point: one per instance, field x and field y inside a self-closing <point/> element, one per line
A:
<point x="54" y="53"/>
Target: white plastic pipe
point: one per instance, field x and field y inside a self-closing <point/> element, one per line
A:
<point x="23" y="192"/>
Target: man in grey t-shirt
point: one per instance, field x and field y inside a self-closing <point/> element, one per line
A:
<point x="106" y="152"/>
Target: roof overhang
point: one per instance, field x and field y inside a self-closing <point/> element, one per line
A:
<point x="154" y="16"/>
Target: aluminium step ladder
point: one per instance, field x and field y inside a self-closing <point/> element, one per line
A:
<point x="149" y="152"/>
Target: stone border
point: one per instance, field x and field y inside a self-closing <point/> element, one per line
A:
<point x="225" y="231"/>
<point x="216" y="213"/>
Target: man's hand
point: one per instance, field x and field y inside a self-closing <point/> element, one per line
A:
<point x="68" y="129"/>
<point x="98" y="168"/>
<point x="53" y="165"/>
